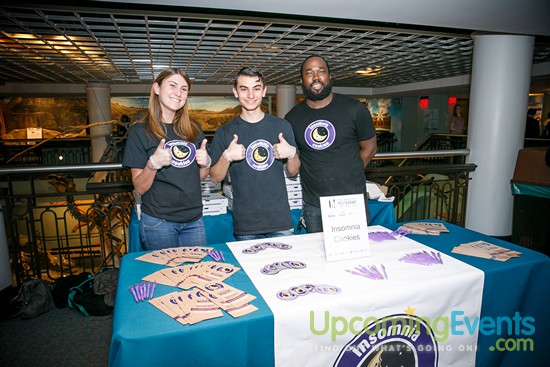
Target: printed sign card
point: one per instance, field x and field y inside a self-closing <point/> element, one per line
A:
<point x="485" y="250"/>
<point x="345" y="227"/>
<point x="429" y="228"/>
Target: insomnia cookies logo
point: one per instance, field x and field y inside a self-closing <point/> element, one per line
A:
<point x="395" y="340"/>
<point x="259" y="155"/>
<point x="183" y="152"/>
<point x="320" y="134"/>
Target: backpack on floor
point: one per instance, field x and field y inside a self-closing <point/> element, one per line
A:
<point x="63" y="285"/>
<point x="87" y="300"/>
<point x="33" y="299"/>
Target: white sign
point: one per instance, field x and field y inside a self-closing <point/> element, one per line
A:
<point x="345" y="227"/>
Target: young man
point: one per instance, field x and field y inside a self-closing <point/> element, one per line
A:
<point x="255" y="148"/>
<point x="336" y="139"/>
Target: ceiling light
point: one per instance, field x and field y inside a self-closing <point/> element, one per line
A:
<point x="369" y="71"/>
<point x="23" y="36"/>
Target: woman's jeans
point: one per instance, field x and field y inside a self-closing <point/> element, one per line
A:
<point x="158" y="233"/>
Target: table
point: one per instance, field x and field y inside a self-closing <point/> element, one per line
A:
<point x="140" y="331"/>
<point x="219" y="228"/>
<point x="518" y="287"/>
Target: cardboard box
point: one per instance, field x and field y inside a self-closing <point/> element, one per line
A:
<point x="293" y="188"/>
<point x="214" y="203"/>
<point x="531" y="167"/>
<point x="295" y="203"/>
<point x="214" y="198"/>
<point x="213" y="210"/>
<point x="294" y="195"/>
<point x="228" y="191"/>
<point x="208" y="186"/>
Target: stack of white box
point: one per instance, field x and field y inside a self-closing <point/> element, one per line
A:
<point x="213" y="202"/>
<point x="293" y="188"/>
<point x="228" y="193"/>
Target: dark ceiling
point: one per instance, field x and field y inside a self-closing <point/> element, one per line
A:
<point x="81" y="44"/>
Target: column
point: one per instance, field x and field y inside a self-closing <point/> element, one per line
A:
<point x="286" y="99"/>
<point x="99" y="110"/>
<point x="545" y="106"/>
<point x="5" y="266"/>
<point x="499" y="91"/>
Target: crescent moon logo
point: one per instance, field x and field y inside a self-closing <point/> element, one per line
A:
<point x="260" y="154"/>
<point x="180" y="151"/>
<point x="319" y="134"/>
<point x="183" y="152"/>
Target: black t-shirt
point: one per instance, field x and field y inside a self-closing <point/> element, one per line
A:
<point x="328" y="142"/>
<point x="260" y="199"/>
<point x="176" y="191"/>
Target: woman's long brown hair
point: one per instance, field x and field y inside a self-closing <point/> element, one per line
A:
<point x="183" y="126"/>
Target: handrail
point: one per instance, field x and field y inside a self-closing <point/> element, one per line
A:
<point x="15" y="170"/>
<point x="422" y="154"/>
<point x="65" y="168"/>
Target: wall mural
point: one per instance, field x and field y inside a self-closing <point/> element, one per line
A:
<point x="50" y="120"/>
<point x="58" y="115"/>
<point x="55" y="115"/>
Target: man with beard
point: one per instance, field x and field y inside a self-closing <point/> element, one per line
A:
<point x="336" y="140"/>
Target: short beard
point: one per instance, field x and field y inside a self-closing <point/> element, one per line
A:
<point x="313" y="96"/>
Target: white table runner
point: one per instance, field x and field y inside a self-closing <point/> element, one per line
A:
<point x="410" y="314"/>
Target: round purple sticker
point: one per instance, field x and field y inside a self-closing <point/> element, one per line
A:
<point x="320" y="134"/>
<point x="259" y="155"/>
<point x="183" y="152"/>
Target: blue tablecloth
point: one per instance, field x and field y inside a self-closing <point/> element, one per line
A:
<point x="144" y="336"/>
<point x="219" y="228"/>
<point x="520" y="285"/>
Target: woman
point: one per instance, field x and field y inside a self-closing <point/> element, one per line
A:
<point x="166" y="153"/>
<point x="457" y="121"/>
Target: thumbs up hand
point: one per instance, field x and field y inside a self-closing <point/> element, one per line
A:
<point x="235" y="151"/>
<point x="161" y="157"/>
<point x="283" y="150"/>
<point x="202" y="157"/>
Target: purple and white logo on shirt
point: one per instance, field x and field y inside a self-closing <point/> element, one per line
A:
<point x="259" y="155"/>
<point x="320" y="134"/>
<point x="183" y="152"/>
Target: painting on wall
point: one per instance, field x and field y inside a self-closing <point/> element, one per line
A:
<point x="52" y="115"/>
<point x="58" y="115"/>
<point x="535" y="101"/>
<point x="209" y="112"/>
<point x="383" y="111"/>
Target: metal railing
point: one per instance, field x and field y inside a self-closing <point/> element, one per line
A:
<point x="62" y="220"/>
<point x="427" y="189"/>
<point x="65" y="219"/>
